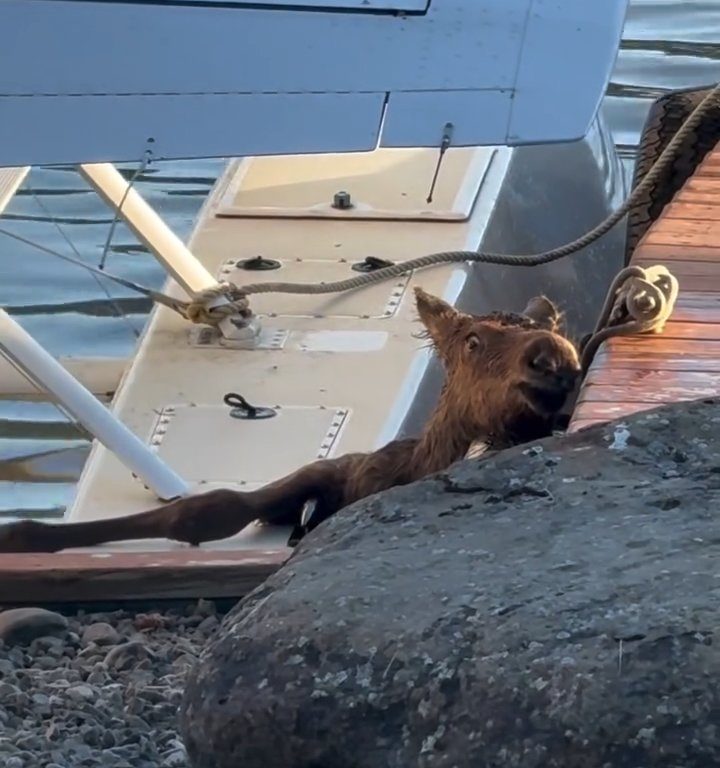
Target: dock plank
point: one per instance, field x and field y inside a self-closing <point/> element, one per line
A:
<point x="684" y="237"/>
<point x="659" y="345"/>
<point x="696" y="307"/>
<point x="700" y="330"/>
<point x="659" y="254"/>
<point x="650" y="392"/>
<point x="693" y="196"/>
<point x="660" y="362"/>
<point x="693" y="211"/>
<point x="709" y="229"/>
<point x="636" y="379"/>
<point x="108" y="576"/>
<point x="637" y="373"/>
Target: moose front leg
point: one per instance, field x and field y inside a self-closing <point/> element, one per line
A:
<point x="207" y="517"/>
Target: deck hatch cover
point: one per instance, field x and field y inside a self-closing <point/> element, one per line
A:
<point x="204" y="444"/>
<point x="386" y="184"/>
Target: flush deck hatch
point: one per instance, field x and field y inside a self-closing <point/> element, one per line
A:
<point x="243" y="451"/>
<point x="389" y="184"/>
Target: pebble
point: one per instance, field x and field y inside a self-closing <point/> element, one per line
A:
<point x="9" y="693"/>
<point x="176" y="759"/>
<point x="126" y="655"/>
<point x="103" y="689"/>
<point x="208" y="624"/>
<point x="7" y="668"/>
<point x="100" y="633"/>
<point x="82" y="693"/>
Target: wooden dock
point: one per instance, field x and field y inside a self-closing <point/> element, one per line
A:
<point x="637" y="373"/>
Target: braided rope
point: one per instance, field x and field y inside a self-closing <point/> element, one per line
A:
<point x="201" y="310"/>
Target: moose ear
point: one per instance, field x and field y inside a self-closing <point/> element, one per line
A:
<point x="543" y="312"/>
<point x="438" y="317"/>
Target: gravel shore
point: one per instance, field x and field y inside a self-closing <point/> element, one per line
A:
<point x="97" y="689"/>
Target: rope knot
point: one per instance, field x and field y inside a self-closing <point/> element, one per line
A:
<point x="201" y="310"/>
<point x="639" y="301"/>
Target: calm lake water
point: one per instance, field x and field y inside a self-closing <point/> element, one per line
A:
<point x="667" y="44"/>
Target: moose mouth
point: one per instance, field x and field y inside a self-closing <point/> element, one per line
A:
<point x="546" y="401"/>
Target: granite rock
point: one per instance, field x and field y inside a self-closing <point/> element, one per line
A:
<point x="554" y="606"/>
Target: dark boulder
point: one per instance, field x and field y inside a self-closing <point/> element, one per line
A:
<point x="23" y="625"/>
<point x="555" y="605"/>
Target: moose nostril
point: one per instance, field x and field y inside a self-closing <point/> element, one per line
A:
<point x="567" y="381"/>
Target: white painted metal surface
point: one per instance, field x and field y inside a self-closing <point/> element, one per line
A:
<point x="196" y="80"/>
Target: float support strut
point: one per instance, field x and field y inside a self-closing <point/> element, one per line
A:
<point x="19" y="347"/>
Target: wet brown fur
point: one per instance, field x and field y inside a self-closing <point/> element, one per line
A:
<point x="507" y="378"/>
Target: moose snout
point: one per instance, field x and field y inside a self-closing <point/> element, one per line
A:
<point x="566" y="379"/>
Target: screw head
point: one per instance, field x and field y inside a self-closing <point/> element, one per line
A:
<point x="342" y="200"/>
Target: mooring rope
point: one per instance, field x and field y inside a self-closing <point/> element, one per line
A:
<point x="195" y="310"/>
<point x="111" y="299"/>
